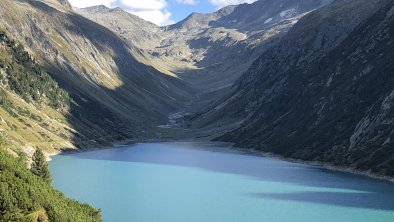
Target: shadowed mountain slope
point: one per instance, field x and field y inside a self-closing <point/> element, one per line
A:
<point x="208" y="51"/>
<point x="114" y="95"/>
<point x="324" y="93"/>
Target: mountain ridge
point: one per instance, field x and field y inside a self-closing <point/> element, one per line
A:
<point x="206" y="57"/>
<point x="308" y="80"/>
<point x="132" y="71"/>
<point x="97" y="67"/>
<point x="306" y="103"/>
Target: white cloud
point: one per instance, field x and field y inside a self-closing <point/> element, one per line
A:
<point x="222" y="3"/>
<point x="187" y="2"/>
<point x="159" y="17"/>
<point x="151" y="10"/>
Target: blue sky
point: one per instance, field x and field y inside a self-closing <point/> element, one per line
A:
<point x="161" y="12"/>
<point x="181" y="11"/>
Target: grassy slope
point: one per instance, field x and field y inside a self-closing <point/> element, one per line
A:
<point x="95" y="65"/>
<point x="33" y="112"/>
<point x="28" y="119"/>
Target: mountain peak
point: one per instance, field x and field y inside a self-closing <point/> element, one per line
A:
<point x="63" y="3"/>
<point x="118" y="9"/>
<point x="256" y="16"/>
<point x="103" y="9"/>
<point x="97" y="9"/>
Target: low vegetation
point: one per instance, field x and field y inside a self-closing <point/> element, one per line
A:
<point x="27" y="79"/>
<point x="27" y="197"/>
<point x="31" y="108"/>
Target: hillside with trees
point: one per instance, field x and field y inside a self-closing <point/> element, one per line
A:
<point x="25" y="197"/>
<point x="33" y="109"/>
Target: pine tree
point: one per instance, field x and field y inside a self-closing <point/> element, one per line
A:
<point x="39" y="166"/>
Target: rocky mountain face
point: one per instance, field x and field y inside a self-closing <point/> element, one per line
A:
<point x="31" y="103"/>
<point x="114" y="95"/>
<point x="59" y="4"/>
<point x="307" y="79"/>
<point x="324" y="93"/>
<point x="124" y="76"/>
<point x="250" y="17"/>
<point x="208" y="51"/>
<point x="307" y="95"/>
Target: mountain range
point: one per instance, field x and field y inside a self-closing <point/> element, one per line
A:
<point x="289" y="77"/>
<point x="125" y="76"/>
<point x="305" y="79"/>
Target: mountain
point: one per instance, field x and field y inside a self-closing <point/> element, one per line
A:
<point x="32" y="104"/>
<point x="59" y="4"/>
<point x="323" y="93"/>
<point x="32" y="115"/>
<point x="124" y="76"/>
<point x="99" y="75"/>
<point x="208" y="51"/>
<point x="306" y="79"/>
<point x="257" y="16"/>
<point x="87" y="78"/>
<point x="114" y="95"/>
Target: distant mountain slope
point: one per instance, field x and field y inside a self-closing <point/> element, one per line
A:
<point x="138" y="31"/>
<point x="223" y="44"/>
<point x="257" y="16"/>
<point x="208" y="51"/>
<point x="324" y="93"/>
<point x="114" y="94"/>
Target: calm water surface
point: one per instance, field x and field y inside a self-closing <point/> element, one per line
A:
<point x="196" y="182"/>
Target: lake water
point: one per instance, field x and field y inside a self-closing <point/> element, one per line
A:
<point x="197" y="182"/>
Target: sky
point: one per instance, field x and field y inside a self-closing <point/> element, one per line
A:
<point x="161" y="12"/>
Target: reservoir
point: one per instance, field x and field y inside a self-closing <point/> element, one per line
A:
<point x="195" y="182"/>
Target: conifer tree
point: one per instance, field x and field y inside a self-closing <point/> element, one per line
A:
<point x="39" y="166"/>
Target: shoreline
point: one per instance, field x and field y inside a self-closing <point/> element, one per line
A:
<point x="319" y="164"/>
<point x="249" y="151"/>
<point x="48" y="155"/>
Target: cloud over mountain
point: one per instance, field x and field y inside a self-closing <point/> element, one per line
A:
<point x="151" y="10"/>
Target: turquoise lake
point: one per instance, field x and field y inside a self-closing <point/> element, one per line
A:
<point x="205" y="182"/>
